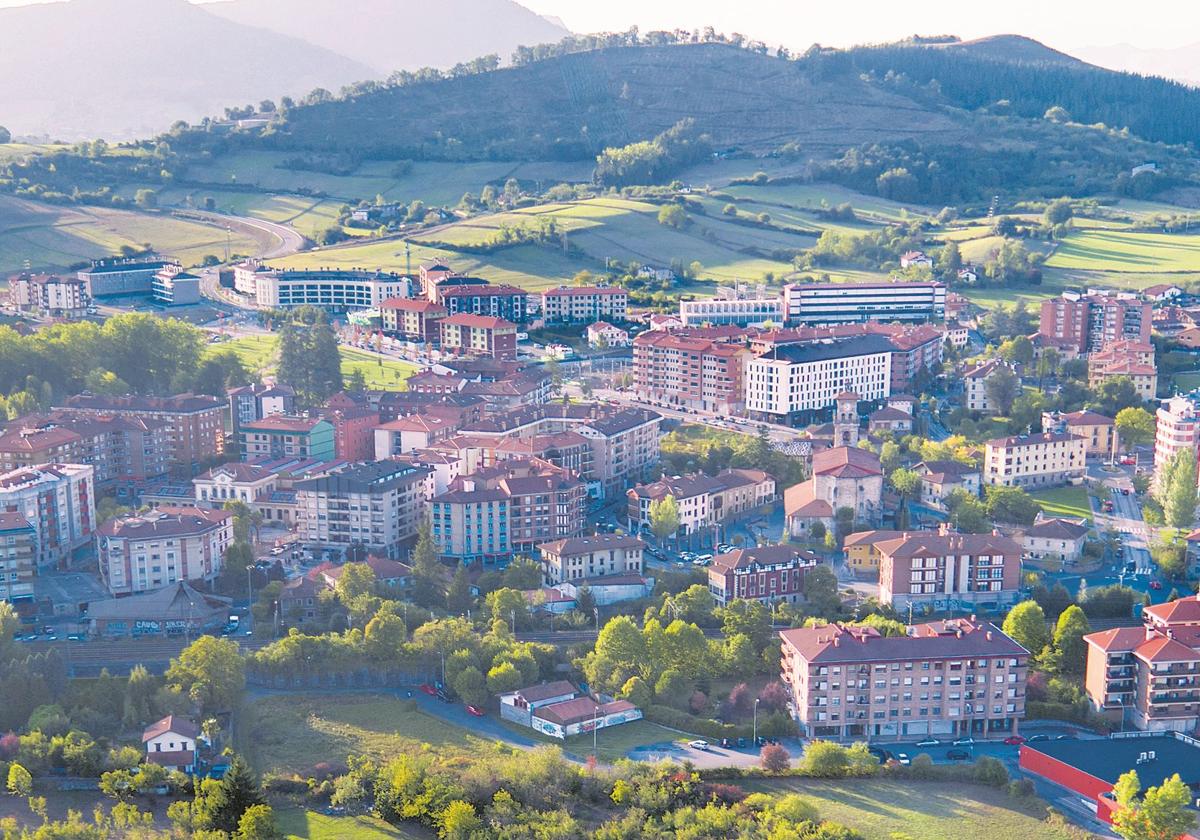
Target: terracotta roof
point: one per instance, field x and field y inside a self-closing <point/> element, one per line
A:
<point x="847" y="462"/>
<point x="870" y="537"/>
<point x="679" y="486"/>
<point x="889" y="413"/>
<point x="586" y="545"/>
<point x="1117" y="638"/>
<point x="1032" y="440"/>
<point x="486" y="322"/>
<point x="283" y="423"/>
<point x="933" y="544"/>
<point x="800" y="500"/>
<point x="941" y="472"/>
<point x="837" y="644"/>
<point x="171" y="723"/>
<point x="1181" y="609"/>
<point x="982" y="370"/>
<point x="1087" y="418"/>
<point x="1163" y="649"/>
<point x="171" y="758"/>
<point x="580" y="709"/>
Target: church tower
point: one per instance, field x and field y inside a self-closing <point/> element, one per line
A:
<point x="845" y="419"/>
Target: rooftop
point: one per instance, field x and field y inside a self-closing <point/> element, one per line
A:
<point x="164" y="522"/>
<point x="1106" y="759"/>
<point x="586" y="545"/>
<point x="1032" y="440"/>
<point x="484" y="322"/>
<point x="174" y="724"/>
<point x="834" y="643"/>
<point x="846" y="462"/>
<point x="763" y="555"/>
<point x="798" y="354"/>
<point x="1057" y="529"/>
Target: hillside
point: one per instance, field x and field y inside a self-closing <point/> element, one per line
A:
<point x="399" y="34"/>
<point x="573" y="106"/>
<point x="1016" y="49"/>
<point x="126" y="68"/>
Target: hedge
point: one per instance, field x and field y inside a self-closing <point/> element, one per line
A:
<point x="709" y="728"/>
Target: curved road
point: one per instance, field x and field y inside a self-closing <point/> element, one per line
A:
<point x="288" y="242"/>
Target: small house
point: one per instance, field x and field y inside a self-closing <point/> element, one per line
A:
<point x="172" y="743"/>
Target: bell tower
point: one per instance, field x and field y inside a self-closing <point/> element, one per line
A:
<point x="845" y="419"/>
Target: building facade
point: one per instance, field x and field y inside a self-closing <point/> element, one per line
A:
<point x="59" y="501"/>
<point x="843" y="477"/>
<point x="164" y="546"/>
<point x="49" y="295"/>
<point x="1176" y="429"/>
<point x="1091" y="321"/>
<point x="507" y="302"/>
<point x="478" y="335"/>
<point x="949" y="571"/>
<point x="335" y="290"/>
<point x="1040" y="460"/>
<point x="287" y="436"/>
<point x="196" y="422"/>
<point x="108" y="278"/>
<point x="584" y="304"/>
<point x="948" y="678"/>
<point x="794" y="382"/>
<point x="18" y="557"/>
<point x="582" y="558"/>
<point x="413" y="319"/>
<point x="742" y="312"/>
<point x="817" y="304"/>
<point x="768" y="573"/>
<point x="1098" y="432"/>
<point x="689" y="373"/>
<point x="256" y="401"/>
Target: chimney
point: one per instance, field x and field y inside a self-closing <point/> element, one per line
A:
<point x="836" y="641"/>
<point x="989" y="635"/>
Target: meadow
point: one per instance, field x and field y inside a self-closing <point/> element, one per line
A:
<point x="260" y="355"/>
<point x="296" y="823"/>
<point x="1127" y="252"/>
<point x="1064" y="501"/>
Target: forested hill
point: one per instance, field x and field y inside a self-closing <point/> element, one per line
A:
<point x="573" y="105"/>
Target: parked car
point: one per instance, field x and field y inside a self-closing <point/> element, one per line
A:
<point x="928" y="742"/>
<point x="964" y="742"/>
<point x="957" y="755"/>
<point x="1033" y="738"/>
<point x="903" y="759"/>
<point x="1014" y="740"/>
<point x="704" y="558"/>
<point x="76" y="637"/>
<point x="444" y="696"/>
<point x="475" y="710"/>
<point x="428" y="689"/>
<point x="1156" y="584"/>
<point x="698" y="745"/>
<point x="1124" y="491"/>
<point x="1128" y="462"/>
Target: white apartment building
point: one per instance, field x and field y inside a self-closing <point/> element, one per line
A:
<point x="975" y="383"/>
<point x="338" y="290"/>
<point x="584" y="304"/>
<point x="742" y="313"/>
<point x="798" y="378"/>
<point x="1177" y="427"/>
<point x="1041" y="460"/>
<point x="817" y="304"/>
<point x="59" y="500"/>
<point x="162" y="547"/>
<point x="49" y="294"/>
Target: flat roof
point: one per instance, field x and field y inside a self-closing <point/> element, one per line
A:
<point x="1108" y="758"/>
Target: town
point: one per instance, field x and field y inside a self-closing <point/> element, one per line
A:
<point x="651" y="433"/>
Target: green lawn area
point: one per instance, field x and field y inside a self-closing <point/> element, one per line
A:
<point x="288" y="734"/>
<point x="50" y="236"/>
<point x="611" y="743"/>
<point x="259" y="353"/>
<point x="1127" y="251"/>
<point x="299" y="824"/>
<point x="885" y="810"/>
<point x="1064" y="501"/>
<point x="1187" y="382"/>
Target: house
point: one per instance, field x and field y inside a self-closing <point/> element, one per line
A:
<point x="915" y="259"/>
<point x="941" y="478"/>
<point x="604" y="334"/>
<point x="1162" y="292"/>
<point x="891" y="420"/>
<point x="518" y="706"/>
<point x="975" y="381"/>
<point x="1099" y="432"/>
<point x="389" y="574"/>
<point x="586" y="558"/>
<point x="968" y="275"/>
<point x="173" y="743"/>
<point x="665" y="323"/>
<point x="1039" y="460"/>
<point x="558" y="709"/>
<point x="1056" y="540"/>
<point x="610" y="589"/>
<point x="767" y="573"/>
<point x="843" y="477"/>
<point x="862" y="552"/>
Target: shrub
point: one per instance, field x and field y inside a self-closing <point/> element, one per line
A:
<point x="698" y="702"/>
<point x="825" y="760"/>
<point x="775" y="759"/>
<point x="728" y="794"/>
<point x="990" y="771"/>
<point x="1020" y="788"/>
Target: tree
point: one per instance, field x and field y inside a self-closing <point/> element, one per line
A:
<point x="1178" y="494"/>
<point x="506" y="605"/>
<point x="1026" y="625"/>
<point x="672" y="215"/>
<point x="458" y="596"/>
<point x="950" y="261"/>
<point x="257" y="823"/>
<point x="504" y="678"/>
<point x="1002" y="388"/>
<point x="230" y="798"/>
<point x="672" y="688"/>
<point x="309" y="360"/>
<point x="774" y="758"/>
<point x="825" y="760"/>
<point x="1072" y="626"/>
<point x="427" y="570"/>
<point x="146" y="199"/>
<point x="1162" y="813"/>
<point x="906" y="482"/>
<point x="20" y="781"/>
<point x="1058" y="212"/>
<point x="356" y="580"/>
<point x="1011" y="504"/>
<point x="821" y="591"/>
<point x="1116" y="393"/>
<point x="1047" y="363"/>
<point x="211" y="672"/>
<point x="664" y="517"/>
<point x="1135" y="426"/>
<point x="471" y="686"/>
<point x="459" y="822"/>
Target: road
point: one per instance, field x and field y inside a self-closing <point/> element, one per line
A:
<point x="288" y="242"/>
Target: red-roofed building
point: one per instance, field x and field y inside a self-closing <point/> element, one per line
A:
<point x="768" y="573"/>
<point x="843" y="476"/>
<point x="413" y="319"/>
<point x="479" y="335"/>
<point x="162" y="547"/>
<point x="689" y="373"/>
<point x="172" y="743"/>
<point x="1149" y="677"/>
<point x="507" y="302"/>
<point x="584" y="304"/>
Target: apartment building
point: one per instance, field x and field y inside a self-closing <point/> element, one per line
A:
<point x="792" y="383"/>
<point x="125" y="452"/>
<point x="1098" y="432"/>
<point x="767" y="573"/>
<point x="691" y="374"/>
<point x="379" y="506"/>
<point x="975" y="381"/>
<point x="110" y="277"/>
<point x="507" y="302"/>
<point x="287" y="436"/>
<point x="843" y="477"/>
<point x="334" y="290"/>
<point x="147" y="551"/>
<point x="49" y="295"/>
<point x="584" y="304"/>
<point x="59" y="501"/>
<point x="508" y="508"/>
<point x="1148" y="677"/>
<point x="1038" y="460"/>
<point x="742" y="312"/>
<point x="818" y="304"/>
<point x="256" y="401"/>
<point x="862" y="550"/>
<point x="196" y="424"/>
<point x="353" y="431"/>
<point x="1111" y="363"/>
<point x="1177" y="427"/>
<point x="478" y="335"/>
<point x="948" y="678"/>
<point x="18" y="558"/>
<point x="580" y="559"/>
<point x="172" y="286"/>
<point x="693" y="496"/>
<point x="939" y="479"/>
<point x="412" y="319"/>
<point x="1098" y="318"/>
<point x="949" y="571"/>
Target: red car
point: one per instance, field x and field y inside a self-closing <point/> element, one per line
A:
<point x="475" y="710"/>
<point x="1129" y="462"/>
<point x="1156" y="584"/>
<point x="1015" y="740"/>
<point x="428" y="689"/>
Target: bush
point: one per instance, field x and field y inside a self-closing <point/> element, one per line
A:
<point x="990" y="771"/>
<point x="709" y="728"/>
<point x="775" y="759"/>
<point x="1020" y="788"/>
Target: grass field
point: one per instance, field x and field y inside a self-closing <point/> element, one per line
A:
<point x="1127" y="252"/>
<point x="259" y="354"/>
<point x="287" y="734"/>
<point x="1185" y="382"/>
<point x="1064" y="501"/>
<point x="49" y="236"/>
<point x="611" y="744"/>
<point x="299" y="824"/>
<point x="888" y="810"/>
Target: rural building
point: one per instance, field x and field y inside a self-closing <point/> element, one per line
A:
<point x="173" y="743"/>
<point x="604" y="334"/>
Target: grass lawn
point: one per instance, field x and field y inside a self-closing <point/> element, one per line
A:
<point x="885" y="810"/>
<point x="259" y="353"/>
<point x="611" y="743"/>
<point x="1064" y="501"/>
<point x="287" y="734"/>
<point x="1187" y="382"/>
<point x="299" y="824"/>
<point x="1127" y="252"/>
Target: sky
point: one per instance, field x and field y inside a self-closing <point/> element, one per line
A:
<point x="799" y="23"/>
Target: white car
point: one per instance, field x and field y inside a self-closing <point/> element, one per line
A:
<point x="698" y="745"/>
<point x="964" y="742"/>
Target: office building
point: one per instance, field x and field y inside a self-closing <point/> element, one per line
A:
<point x="793" y="383"/>
<point x="112" y="277"/>
<point x="818" y="304"/>
<point x="335" y="290"/>
<point x="742" y="312"/>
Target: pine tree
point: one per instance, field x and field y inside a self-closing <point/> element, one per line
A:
<point x="458" y="596"/>
<point x="237" y="791"/>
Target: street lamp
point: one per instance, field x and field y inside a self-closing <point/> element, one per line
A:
<point x="756" y="721"/>
<point x="249" y="585"/>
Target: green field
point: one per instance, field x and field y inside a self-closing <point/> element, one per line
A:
<point x="289" y="734"/>
<point x="1064" y="501"/>
<point x="259" y="353"/>
<point x="611" y="744"/>
<point x="1127" y="252"/>
<point x="49" y="236"/>
<point x="299" y="824"/>
<point x="887" y="810"/>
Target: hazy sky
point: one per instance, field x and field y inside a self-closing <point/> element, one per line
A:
<point x="798" y="23"/>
